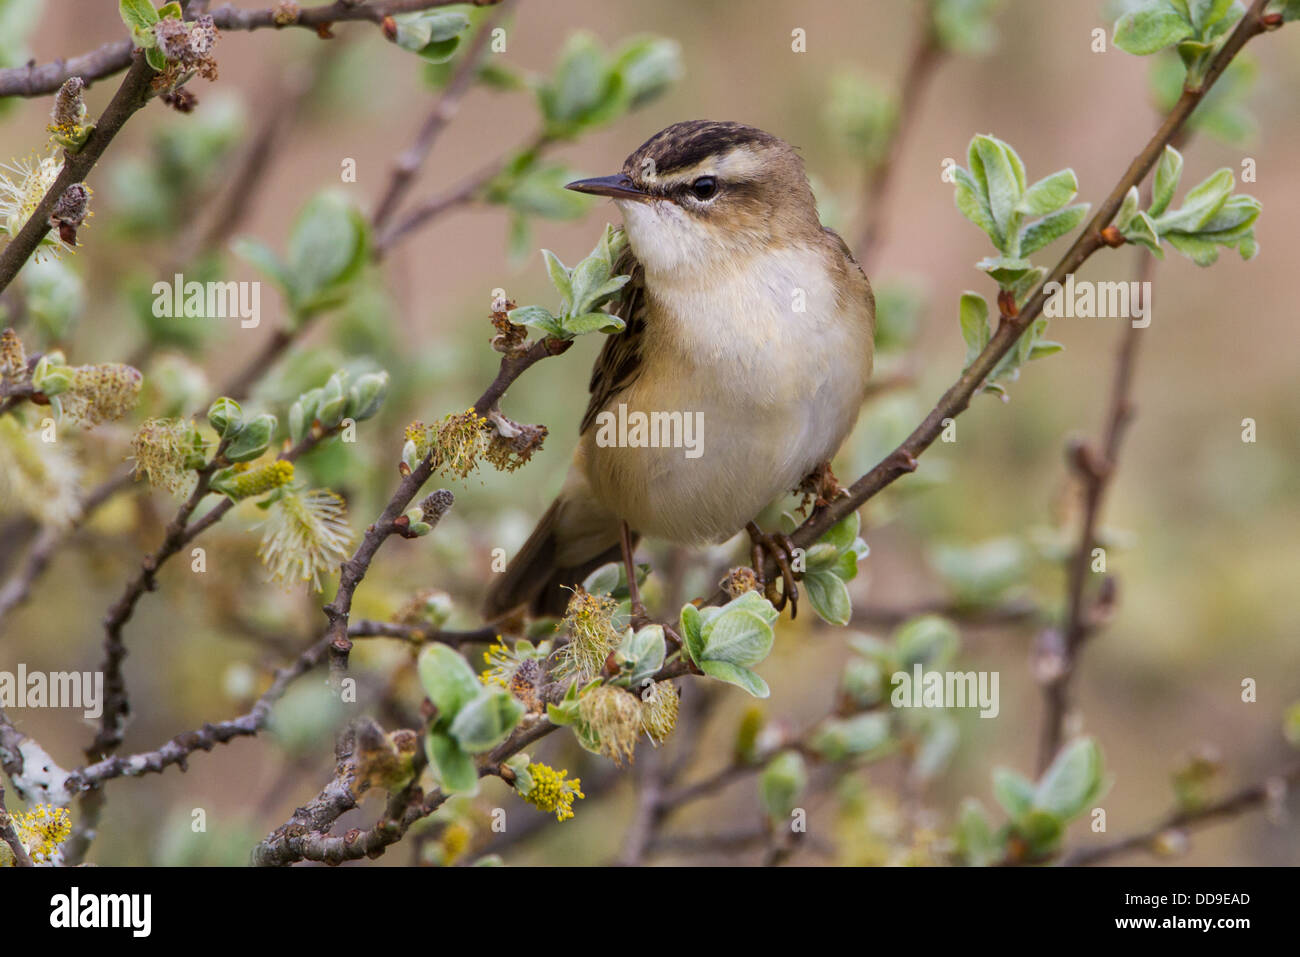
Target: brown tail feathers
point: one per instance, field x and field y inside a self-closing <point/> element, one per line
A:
<point x="532" y="578"/>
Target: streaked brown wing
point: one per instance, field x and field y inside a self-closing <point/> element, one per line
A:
<point x="619" y="362"/>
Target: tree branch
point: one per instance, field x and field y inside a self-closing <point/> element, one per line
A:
<point x="130" y="96"/>
<point x="33" y="80"/>
<point x="957" y="399"/>
<point x="444" y="111"/>
<point x="1239" y="802"/>
<point x="9" y="835"/>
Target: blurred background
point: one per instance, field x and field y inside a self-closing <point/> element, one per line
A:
<point x="1202" y="530"/>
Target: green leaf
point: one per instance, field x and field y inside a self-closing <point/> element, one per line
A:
<point x="975" y="837"/>
<point x="781" y="784"/>
<point x="326" y="248"/>
<point x="253" y="439"/>
<point x="448" y="680"/>
<point x="973" y="204"/>
<point x="641" y="654"/>
<point x="537" y="317"/>
<point x="1072" y="781"/>
<point x="1203" y="252"/>
<point x="737" y="636"/>
<point x="837" y="739"/>
<point x="486" y="720"/>
<point x="1233" y="219"/>
<point x="604" y="580"/>
<point x="1014" y="792"/>
<point x="1050" y="193"/>
<point x="1142" y="230"/>
<point x="156" y="59"/>
<point x="454" y="768"/>
<point x="693" y="632"/>
<point x="843" y="533"/>
<point x="432" y="34"/>
<point x="648" y="66"/>
<point x="1199" y="205"/>
<point x="829" y="596"/>
<point x="1044" y="348"/>
<point x="1005" y="269"/>
<point x="1001" y="171"/>
<point x="137" y="14"/>
<point x="973" y="314"/>
<point x="263" y="258"/>
<point x="926" y="640"/>
<point x="1050" y="228"/>
<point x="593" y="322"/>
<point x="559" y="274"/>
<point x="584" y="90"/>
<point x="172" y="10"/>
<point x="1206" y="14"/>
<point x="1149" y="28"/>
<point x="736" y="675"/>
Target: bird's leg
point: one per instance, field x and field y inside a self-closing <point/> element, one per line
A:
<point x="781" y="549"/>
<point x="639" y="616"/>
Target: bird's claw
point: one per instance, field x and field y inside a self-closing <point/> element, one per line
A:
<point x="781" y="549"/>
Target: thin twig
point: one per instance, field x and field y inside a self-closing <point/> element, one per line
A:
<point x="9" y="835"/>
<point x="130" y="96"/>
<point x="1239" y="802"/>
<point x="921" y="65"/>
<point x="444" y="111"/>
<point x="464" y="192"/>
<point x="19" y="585"/>
<point x="1095" y="470"/>
<point x="33" y="80"/>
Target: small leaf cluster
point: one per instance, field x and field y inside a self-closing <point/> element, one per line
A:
<point x="337" y="401"/>
<point x="1210" y="215"/>
<point x="928" y="640"/>
<point x="1197" y="29"/>
<point x="973" y="316"/>
<point x="639" y="656"/>
<point x="1037" y="812"/>
<point x="583" y="289"/>
<point x="1019" y="218"/>
<point x="328" y="248"/>
<point x="980" y="575"/>
<point x="963" y="26"/>
<point x="433" y="35"/>
<point x="727" y="642"/>
<point x="589" y="88"/>
<point x="865" y="686"/>
<point x="829" y="565"/>
<point x="863" y="117"/>
<point x="471" y="717"/>
<point x="175" y="47"/>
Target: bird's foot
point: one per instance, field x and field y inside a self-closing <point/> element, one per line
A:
<point x="781" y="550"/>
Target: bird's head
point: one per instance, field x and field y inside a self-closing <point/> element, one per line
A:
<point x="705" y="194"/>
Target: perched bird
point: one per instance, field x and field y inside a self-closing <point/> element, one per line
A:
<point x="745" y="316"/>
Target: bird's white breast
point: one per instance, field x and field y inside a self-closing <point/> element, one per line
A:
<point x="761" y="345"/>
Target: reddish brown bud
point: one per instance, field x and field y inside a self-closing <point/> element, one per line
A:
<point x="389" y="26"/>
<point x="1112" y="237"/>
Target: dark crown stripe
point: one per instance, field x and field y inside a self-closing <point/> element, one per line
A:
<point x="685" y="144"/>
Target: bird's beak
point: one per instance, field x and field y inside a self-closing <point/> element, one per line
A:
<point x="617" y="186"/>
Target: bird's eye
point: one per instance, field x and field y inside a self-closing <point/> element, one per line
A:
<point x="704" y="187"/>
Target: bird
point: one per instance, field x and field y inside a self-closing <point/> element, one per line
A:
<point x="745" y="315"/>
